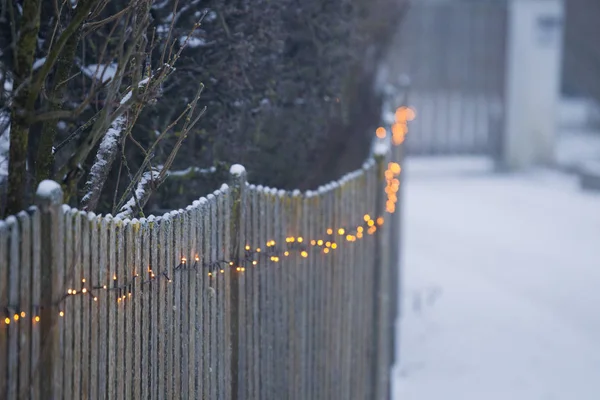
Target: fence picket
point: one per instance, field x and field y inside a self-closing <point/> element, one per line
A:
<point x="66" y="321"/>
<point x="95" y="275"/>
<point x="155" y="308"/>
<point x="5" y="316"/>
<point x="24" y="303"/>
<point x="145" y="311"/>
<point x="13" y="310"/>
<point x="126" y="261"/>
<point x="76" y="284"/>
<point x="134" y="261"/>
<point x="190" y="303"/>
<point x="176" y="311"/>
<point x="85" y="306"/>
<point x="36" y="246"/>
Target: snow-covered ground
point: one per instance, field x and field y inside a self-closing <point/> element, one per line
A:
<point x="501" y="283"/>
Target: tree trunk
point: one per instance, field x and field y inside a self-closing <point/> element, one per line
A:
<point x="44" y="162"/>
<point x="19" y="133"/>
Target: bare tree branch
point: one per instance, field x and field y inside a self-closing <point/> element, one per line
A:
<point x="105" y="156"/>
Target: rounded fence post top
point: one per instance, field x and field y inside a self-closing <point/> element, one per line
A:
<point x="381" y="148"/>
<point x="49" y="192"/>
<point x="237" y="169"/>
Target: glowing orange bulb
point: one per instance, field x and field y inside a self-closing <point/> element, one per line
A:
<point x="367" y="217"/>
<point x="330" y="231"/>
<point x="313" y="242"/>
<point x="325" y="250"/>
<point x="381" y="132"/>
<point x="380" y="221"/>
<point x="23" y="314"/>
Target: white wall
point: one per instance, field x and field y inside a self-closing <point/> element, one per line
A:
<point x="533" y="81"/>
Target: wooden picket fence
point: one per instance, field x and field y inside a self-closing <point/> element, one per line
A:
<point x="248" y="293"/>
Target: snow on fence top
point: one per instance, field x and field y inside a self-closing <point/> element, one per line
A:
<point x="129" y="305"/>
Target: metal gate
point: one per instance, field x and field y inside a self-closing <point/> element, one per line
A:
<point x="454" y="52"/>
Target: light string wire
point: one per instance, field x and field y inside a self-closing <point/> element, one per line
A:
<point x="12" y="313"/>
<point x="252" y="257"/>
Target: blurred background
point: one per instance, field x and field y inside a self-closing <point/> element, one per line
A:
<point x="501" y="200"/>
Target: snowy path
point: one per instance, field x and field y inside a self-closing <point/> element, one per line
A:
<point x="502" y="284"/>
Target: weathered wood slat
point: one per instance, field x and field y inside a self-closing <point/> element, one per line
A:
<point x="184" y="283"/>
<point x="223" y="339"/>
<point x="36" y="254"/>
<point x="76" y="275"/>
<point x="122" y="305"/>
<point x="85" y="306"/>
<point x="134" y="260"/>
<point x="154" y="310"/>
<point x="13" y="309"/>
<point x="165" y="306"/>
<point x="192" y="367"/>
<point x="143" y="312"/>
<point x="212" y="294"/>
<point x="25" y="323"/>
<point x="97" y="279"/>
<point x="5" y="316"/>
<point x="128" y="267"/>
<point x="66" y="322"/>
<point x="175" y="289"/>
<point x="255" y="349"/>
<point x="208" y="293"/>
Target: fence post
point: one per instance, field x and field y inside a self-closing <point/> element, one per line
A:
<point x="396" y="281"/>
<point x="381" y="153"/>
<point x="237" y="182"/>
<point x="49" y="198"/>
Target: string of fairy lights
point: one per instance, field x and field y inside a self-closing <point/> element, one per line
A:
<point x="253" y="257"/>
